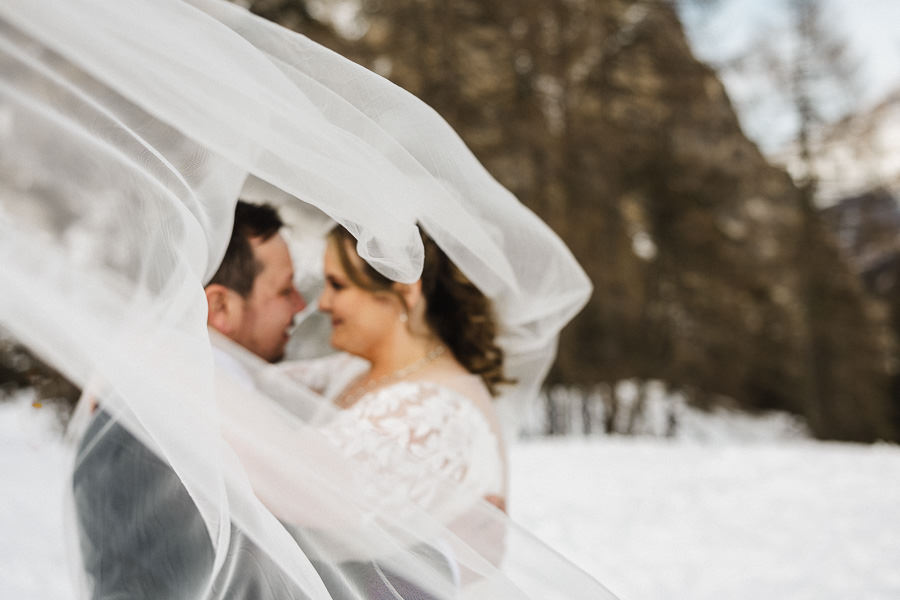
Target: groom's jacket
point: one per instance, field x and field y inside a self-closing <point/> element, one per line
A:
<point x="141" y="536"/>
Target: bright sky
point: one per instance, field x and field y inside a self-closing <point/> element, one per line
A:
<point x="871" y="27"/>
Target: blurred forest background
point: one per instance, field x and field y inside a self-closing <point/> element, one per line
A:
<point x="732" y="277"/>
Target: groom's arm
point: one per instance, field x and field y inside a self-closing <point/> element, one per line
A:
<point x="140" y="534"/>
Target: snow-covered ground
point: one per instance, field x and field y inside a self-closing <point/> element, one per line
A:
<point x="751" y="512"/>
<point x="33" y="466"/>
<point x="657" y="520"/>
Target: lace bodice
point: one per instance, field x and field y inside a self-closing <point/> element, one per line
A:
<point x="417" y="436"/>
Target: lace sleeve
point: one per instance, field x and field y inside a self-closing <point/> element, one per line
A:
<point x="418" y="438"/>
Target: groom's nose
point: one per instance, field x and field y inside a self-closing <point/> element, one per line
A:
<point x="299" y="302"/>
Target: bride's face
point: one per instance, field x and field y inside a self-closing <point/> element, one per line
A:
<point x="362" y="322"/>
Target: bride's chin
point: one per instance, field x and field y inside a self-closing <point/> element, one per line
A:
<point x="336" y="343"/>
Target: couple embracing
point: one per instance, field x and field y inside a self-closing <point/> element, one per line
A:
<point x="412" y="385"/>
<point x="210" y="468"/>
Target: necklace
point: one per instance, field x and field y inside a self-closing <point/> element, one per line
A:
<point x="355" y="392"/>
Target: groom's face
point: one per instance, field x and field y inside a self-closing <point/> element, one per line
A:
<point x="267" y="313"/>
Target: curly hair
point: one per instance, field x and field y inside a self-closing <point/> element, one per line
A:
<point x="456" y="310"/>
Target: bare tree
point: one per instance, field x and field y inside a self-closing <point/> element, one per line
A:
<point x="804" y="74"/>
<point x="820" y="72"/>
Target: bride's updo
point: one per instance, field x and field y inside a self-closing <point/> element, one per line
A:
<point x="456" y="311"/>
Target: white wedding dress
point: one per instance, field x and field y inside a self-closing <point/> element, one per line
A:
<point x="415" y="435"/>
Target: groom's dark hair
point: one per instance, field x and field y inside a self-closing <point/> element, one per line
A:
<point x="239" y="268"/>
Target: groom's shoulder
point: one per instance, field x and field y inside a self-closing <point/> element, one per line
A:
<point x="106" y="439"/>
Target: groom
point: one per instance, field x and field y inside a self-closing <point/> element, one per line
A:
<point x="140" y="534"/>
<point x="252" y="299"/>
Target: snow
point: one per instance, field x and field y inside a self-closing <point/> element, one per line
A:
<point x="736" y="507"/>
<point x="33" y="464"/>
<point x="653" y="519"/>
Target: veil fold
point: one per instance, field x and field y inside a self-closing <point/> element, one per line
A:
<point x="128" y="130"/>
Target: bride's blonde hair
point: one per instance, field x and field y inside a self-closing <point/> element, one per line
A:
<point x="456" y="310"/>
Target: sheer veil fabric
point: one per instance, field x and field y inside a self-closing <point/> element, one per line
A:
<point x="128" y="130"/>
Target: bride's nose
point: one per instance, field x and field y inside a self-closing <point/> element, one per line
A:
<point x="325" y="300"/>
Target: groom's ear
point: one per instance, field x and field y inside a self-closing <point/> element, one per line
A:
<point x="224" y="313"/>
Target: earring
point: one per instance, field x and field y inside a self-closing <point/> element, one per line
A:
<point x="404" y="317"/>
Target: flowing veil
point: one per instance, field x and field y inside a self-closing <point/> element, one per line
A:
<point x="129" y="130"/>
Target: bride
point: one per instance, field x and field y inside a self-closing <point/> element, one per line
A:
<point x="413" y="388"/>
<point x="431" y="367"/>
<point x="136" y="125"/>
